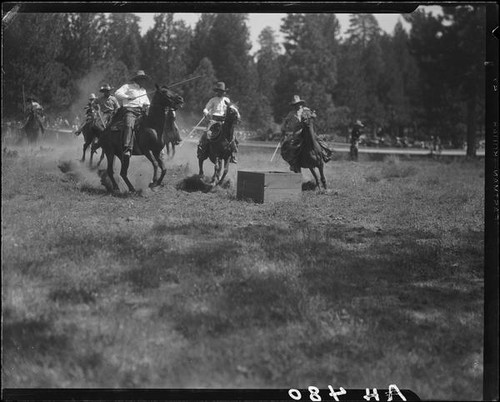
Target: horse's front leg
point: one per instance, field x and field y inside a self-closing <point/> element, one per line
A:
<point x="315" y="177"/>
<point x="124" y="171"/>
<point x="322" y="174"/>
<point x="161" y="164"/>
<point x="111" y="158"/>
<point x="226" y="170"/>
<point x="200" y="166"/>
<point x="152" y="159"/>
<point x="85" y="146"/>
<point x="102" y="157"/>
<point x="217" y="167"/>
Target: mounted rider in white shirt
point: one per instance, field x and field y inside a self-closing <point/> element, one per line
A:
<point x="134" y="99"/>
<point x="215" y="110"/>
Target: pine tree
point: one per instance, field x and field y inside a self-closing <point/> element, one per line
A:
<point x="309" y="66"/>
<point x="199" y="91"/>
<point x="165" y="50"/>
<point x="124" y="40"/>
<point x="31" y="49"/>
<point x="233" y="64"/>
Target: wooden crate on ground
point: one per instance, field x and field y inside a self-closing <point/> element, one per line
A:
<point x="268" y="186"/>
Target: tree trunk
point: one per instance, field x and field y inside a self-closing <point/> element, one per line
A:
<point x="471" y="123"/>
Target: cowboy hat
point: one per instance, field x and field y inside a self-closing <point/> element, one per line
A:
<point x="92" y="96"/>
<point x="358" y="123"/>
<point x="296" y="100"/>
<point x="105" y="87"/>
<point x="221" y="86"/>
<point x="140" y="74"/>
<point x="31" y="98"/>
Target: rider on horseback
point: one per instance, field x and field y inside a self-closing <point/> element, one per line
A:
<point x="215" y="110"/>
<point x="135" y="101"/>
<point x="89" y="112"/>
<point x="292" y="129"/>
<point x="34" y="109"/>
<point x="108" y="104"/>
<point x="292" y="125"/>
<point x="292" y="122"/>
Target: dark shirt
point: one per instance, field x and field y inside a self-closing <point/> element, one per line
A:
<point x="355" y="134"/>
<point x="109" y="104"/>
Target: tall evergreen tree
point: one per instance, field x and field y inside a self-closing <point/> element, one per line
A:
<point x="229" y="53"/>
<point x="166" y="47"/>
<point x="201" y="44"/>
<point x="267" y="62"/>
<point x="32" y="48"/>
<point x="464" y="38"/>
<point x="199" y="91"/>
<point x="124" y="40"/>
<point x="84" y="42"/>
<point x="309" y="66"/>
<point x="450" y="50"/>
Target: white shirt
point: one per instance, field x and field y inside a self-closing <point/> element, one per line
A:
<point x="132" y="90"/>
<point x="217" y="106"/>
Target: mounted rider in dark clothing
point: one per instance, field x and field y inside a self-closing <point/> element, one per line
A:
<point x="90" y="108"/>
<point x="292" y="130"/>
<point x="355" y="134"/>
<point x="215" y="110"/>
<point x="34" y="110"/>
<point x="108" y="104"/>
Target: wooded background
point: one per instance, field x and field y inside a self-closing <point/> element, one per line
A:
<point x="428" y="82"/>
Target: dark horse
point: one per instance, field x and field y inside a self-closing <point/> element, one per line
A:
<point x="34" y="128"/>
<point x="170" y="131"/>
<point x="219" y="149"/>
<point x="305" y="150"/>
<point x="149" y="137"/>
<point x="92" y="131"/>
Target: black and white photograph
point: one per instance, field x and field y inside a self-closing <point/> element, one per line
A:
<point x="249" y="196"/>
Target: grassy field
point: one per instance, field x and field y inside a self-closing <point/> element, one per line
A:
<point x="377" y="281"/>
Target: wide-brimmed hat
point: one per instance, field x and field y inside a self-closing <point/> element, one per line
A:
<point x="296" y="100"/>
<point x="220" y="86"/>
<point x="92" y="96"/>
<point x="358" y="123"/>
<point x="105" y="87"/>
<point x="31" y="98"/>
<point x="140" y="74"/>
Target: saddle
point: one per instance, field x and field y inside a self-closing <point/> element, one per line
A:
<point x="117" y="121"/>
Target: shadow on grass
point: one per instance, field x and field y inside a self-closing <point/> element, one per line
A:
<point x="255" y="302"/>
<point x="72" y="295"/>
<point x="33" y="338"/>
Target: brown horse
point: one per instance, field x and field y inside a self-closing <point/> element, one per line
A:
<point x="149" y="137"/>
<point x="34" y="127"/>
<point x="305" y="150"/>
<point x="219" y="148"/>
<point x="91" y="131"/>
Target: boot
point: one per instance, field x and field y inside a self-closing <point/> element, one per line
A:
<point x="127" y="141"/>
<point x="233" y="152"/>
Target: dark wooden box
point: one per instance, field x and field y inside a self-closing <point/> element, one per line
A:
<point x="268" y="186"/>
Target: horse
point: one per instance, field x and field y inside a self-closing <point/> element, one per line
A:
<point x="219" y="148"/>
<point x="34" y="128"/>
<point x="149" y="138"/>
<point x="169" y="131"/>
<point x="91" y="131"/>
<point x="305" y="150"/>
